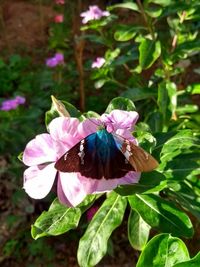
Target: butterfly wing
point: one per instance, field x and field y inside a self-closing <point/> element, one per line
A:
<point x="141" y="160"/>
<point x="96" y="156"/>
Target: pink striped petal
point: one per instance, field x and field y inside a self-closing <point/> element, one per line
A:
<point x="104" y="185"/>
<point x="65" y="130"/>
<point x="88" y="126"/>
<point x="38" y="180"/>
<point x="120" y="119"/>
<point x="126" y="135"/>
<point x="40" y="150"/>
<point x="73" y="188"/>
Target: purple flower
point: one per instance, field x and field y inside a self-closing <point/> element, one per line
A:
<point x="42" y="152"/>
<point x="94" y="13"/>
<point x="91" y="212"/>
<point x="98" y="63"/>
<point x="58" y="59"/>
<point x="12" y="103"/>
<point x="20" y="100"/>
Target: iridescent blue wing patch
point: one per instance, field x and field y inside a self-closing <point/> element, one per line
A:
<point x="96" y="156"/>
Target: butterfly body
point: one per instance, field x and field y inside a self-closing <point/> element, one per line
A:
<point x="104" y="155"/>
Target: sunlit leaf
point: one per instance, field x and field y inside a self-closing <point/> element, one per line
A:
<point x="53" y="113"/>
<point x="120" y="103"/>
<point x="59" y="218"/>
<point x="93" y="244"/>
<point x="162" y="214"/>
<point x="194" y="262"/>
<point x="150" y="51"/>
<point x="163" y="251"/>
<point x="128" y="5"/>
<point x="138" y="231"/>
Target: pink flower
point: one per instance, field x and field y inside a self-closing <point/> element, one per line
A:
<point x="45" y="149"/>
<point x="98" y="63"/>
<point x="60" y="2"/>
<point x="12" y="103"/>
<point x="91" y="212"/>
<point x="94" y="13"/>
<point x="59" y="18"/>
<point x="58" y="59"/>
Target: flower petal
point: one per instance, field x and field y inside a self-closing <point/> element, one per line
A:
<point x="104" y="185"/>
<point x="88" y="126"/>
<point x="38" y="180"/>
<point x="120" y="119"/>
<point x="40" y="150"/>
<point x="127" y="135"/>
<point x="73" y="188"/>
<point x="65" y="130"/>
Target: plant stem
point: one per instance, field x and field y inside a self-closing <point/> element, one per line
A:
<point x="149" y="26"/>
<point x="78" y="53"/>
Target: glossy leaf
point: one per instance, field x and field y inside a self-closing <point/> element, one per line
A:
<point x="93" y="244"/>
<point x="162" y="214"/>
<point x="180" y="167"/>
<point x="179" y="143"/>
<point x="138" y="231"/>
<point x="53" y="113"/>
<point x="59" y="218"/>
<point x="163" y="251"/>
<point x="194" y="262"/>
<point x="149" y="52"/>
<point x="120" y="103"/>
<point x="128" y="5"/>
<point x="154" y="12"/>
<point x="186" y="195"/>
<point x="128" y="190"/>
<point x="125" y="32"/>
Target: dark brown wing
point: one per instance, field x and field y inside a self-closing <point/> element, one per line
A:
<point x="141" y="160"/>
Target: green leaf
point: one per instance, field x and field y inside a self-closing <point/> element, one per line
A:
<point x="186" y="196"/>
<point x="180" y="167"/>
<point x="120" y="103"/>
<point x="162" y="214"/>
<point x="59" y="218"/>
<point x="186" y="49"/>
<point x="154" y="12"/>
<point x="194" y="88"/>
<point x="188" y="108"/>
<point x="129" y="5"/>
<point x="149" y="52"/>
<point x="53" y="113"/>
<point x="126" y="32"/>
<point x="179" y="143"/>
<point x="149" y="182"/>
<point x="93" y="244"/>
<point x="138" y="231"/>
<point x="161" y="2"/>
<point x="20" y="156"/>
<point x="163" y="251"/>
<point x="194" y="262"/>
<point x="155" y="121"/>
<point x="136" y="94"/>
<point x="129" y="190"/>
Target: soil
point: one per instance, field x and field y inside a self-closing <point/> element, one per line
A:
<point x="24" y="25"/>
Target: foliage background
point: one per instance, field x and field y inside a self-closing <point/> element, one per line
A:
<point x="152" y="58"/>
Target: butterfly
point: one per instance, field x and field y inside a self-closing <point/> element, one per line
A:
<point x="105" y="155"/>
